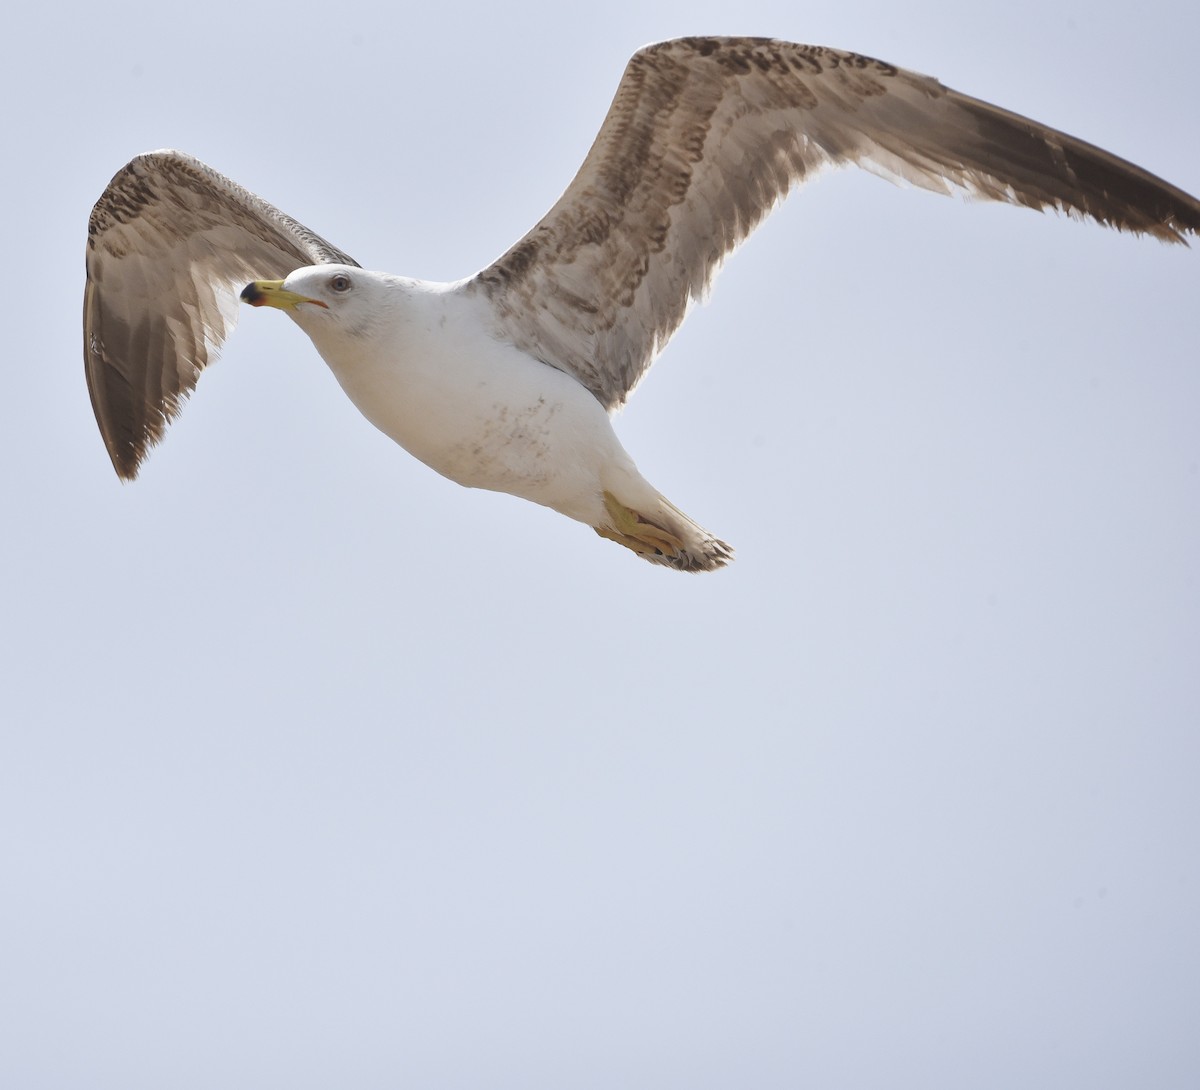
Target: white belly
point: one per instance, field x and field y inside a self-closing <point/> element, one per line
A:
<point x="481" y="412"/>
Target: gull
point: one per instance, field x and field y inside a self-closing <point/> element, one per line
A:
<point x="507" y="380"/>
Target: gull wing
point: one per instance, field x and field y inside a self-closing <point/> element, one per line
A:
<point x="706" y="135"/>
<point x="169" y="243"/>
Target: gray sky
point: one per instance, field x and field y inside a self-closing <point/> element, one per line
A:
<point x="318" y="770"/>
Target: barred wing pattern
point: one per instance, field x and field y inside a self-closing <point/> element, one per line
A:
<point x="706" y="135"/>
<point x="169" y="243"/>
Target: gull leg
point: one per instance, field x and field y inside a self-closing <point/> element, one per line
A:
<point x="636" y="532"/>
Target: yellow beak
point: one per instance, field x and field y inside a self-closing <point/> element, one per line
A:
<point x="272" y="293"/>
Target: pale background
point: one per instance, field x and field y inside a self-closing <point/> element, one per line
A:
<point x="320" y="771"/>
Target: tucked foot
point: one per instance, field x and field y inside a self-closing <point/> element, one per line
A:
<point x="670" y="538"/>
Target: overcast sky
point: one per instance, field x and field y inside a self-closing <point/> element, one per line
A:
<point x="319" y="771"/>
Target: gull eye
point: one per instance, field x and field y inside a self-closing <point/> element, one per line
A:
<point x="340" y="283"/>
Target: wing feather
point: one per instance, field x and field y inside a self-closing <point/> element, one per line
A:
<point x="706" y="135"/>
<point x="169" y="243"/>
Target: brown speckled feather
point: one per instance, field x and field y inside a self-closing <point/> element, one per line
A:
<point x="169" y="242"/>
<point x="706" y="135"/>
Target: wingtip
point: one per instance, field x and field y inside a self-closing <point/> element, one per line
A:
<point x="126" y="465"/>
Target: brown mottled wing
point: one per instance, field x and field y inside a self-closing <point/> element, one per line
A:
<point x="169" y="243"/>
<point x="705" y="136"/>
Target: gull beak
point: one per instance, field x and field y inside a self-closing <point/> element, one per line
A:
<point x="272" y="293"/>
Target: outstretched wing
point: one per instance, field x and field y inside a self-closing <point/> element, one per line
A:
<point x="169" y="243"/>
<point x="706" y="135"/>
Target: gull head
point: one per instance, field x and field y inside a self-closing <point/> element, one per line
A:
<point x="325" y="298"/>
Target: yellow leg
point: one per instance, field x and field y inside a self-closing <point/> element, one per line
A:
<point x="636" y="532"/>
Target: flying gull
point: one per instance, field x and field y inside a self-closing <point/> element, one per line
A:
<point x="506" y="380"/>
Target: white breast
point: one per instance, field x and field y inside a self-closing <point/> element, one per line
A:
<point x="432" y="375"/>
